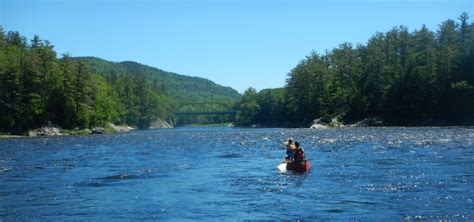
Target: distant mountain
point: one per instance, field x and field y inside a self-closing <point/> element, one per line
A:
<point x="182" y="88"/>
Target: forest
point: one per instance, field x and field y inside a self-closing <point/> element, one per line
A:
<point x="406" y="77"/>
<point x="184" y="93"/>
<point x="37" y="88"/>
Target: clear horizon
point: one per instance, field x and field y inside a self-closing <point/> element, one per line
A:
<point x="234" y="43"/>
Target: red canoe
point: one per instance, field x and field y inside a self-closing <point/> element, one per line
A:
<point x="301" y="166"/>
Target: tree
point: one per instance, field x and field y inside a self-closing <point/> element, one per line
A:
<point x="83" y="96"/>
<point x="464" y="31"/>
<point x="374" y="81"/>
<point x="105" y="107"/>
<point x="248" y="108"/>
<point x="10" y="86"/>
<point x="65" y="97"/>
<point x="272" y="107"/>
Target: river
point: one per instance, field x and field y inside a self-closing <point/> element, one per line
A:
<point x="231" y="174"/>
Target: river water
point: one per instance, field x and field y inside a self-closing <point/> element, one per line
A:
<point x="231" y="173"/>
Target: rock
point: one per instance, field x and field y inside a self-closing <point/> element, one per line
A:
<point x="318" y="124"/>
<point x="98" y="130"/>
<point x="48" y="131"/>
<point x="160" y="124"/>
<point x="337" y="121"/>
<point x="318" y="121"/>
<point x="376" y="122"/>
<point x="119" y="129"/>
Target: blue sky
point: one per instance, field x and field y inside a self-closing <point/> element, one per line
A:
<point x="237" y="43"/>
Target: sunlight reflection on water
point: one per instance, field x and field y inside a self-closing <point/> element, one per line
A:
<point x="230" y="173"/>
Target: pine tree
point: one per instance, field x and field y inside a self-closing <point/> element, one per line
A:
<point x="65" y="99"/>
<point x="10" y="87"/>
<point x="83" y="95"/>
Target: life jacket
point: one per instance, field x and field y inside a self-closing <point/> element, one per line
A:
<point x="299" y="154"/>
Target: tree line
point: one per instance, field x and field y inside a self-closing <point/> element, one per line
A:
<point x="37" y="88"/>
<point x="407" y="78"/>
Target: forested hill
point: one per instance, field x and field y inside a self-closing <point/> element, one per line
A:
<point x="418" y="77"/>
<point x="38" y="88"/>
<point x="182" y="88"/>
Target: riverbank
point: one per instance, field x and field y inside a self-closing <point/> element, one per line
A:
<point x="4" y="136"/>
<point x="54" y="130"/>
<point x="51" y="130"/>
<point x="109" y="128"/>
<point x="340" y="121"/>
<point x="209" y="125"/>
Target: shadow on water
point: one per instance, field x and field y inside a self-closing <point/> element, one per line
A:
<point x="230" y="155"/>
<point x="120" y="179"/>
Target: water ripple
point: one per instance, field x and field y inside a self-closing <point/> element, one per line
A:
<point x="230" y="173"/>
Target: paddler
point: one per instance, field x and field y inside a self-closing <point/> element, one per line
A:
<point x="290" y="150"/>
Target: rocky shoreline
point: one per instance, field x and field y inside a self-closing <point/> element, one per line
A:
<point x="53" y="130"/>
<point x="320" y="123"/>
<point x="159" y="124"/>
<point x="338" y="121"/>
<point x="57" y="131"/>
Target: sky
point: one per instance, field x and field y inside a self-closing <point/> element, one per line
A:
<point x="236" y="43"/>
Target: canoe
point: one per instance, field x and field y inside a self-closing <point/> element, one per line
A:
<point x="301" y="166"/>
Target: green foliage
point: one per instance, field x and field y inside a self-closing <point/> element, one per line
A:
<point x="170" y="93"/>
<point x="105" y="105"/>
<point x="405" y="77"/>
<point x="248" y="108"/>
<point x="37" y="88"/>
<point x="263" y="108"/>
<point x="185" y="89"/>
<point x="271" y="103"/>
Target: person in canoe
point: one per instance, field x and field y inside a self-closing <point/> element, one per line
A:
<point x="298" y="163"/>
<point x="290" y="150"/>
<point x="298" y="153"/>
